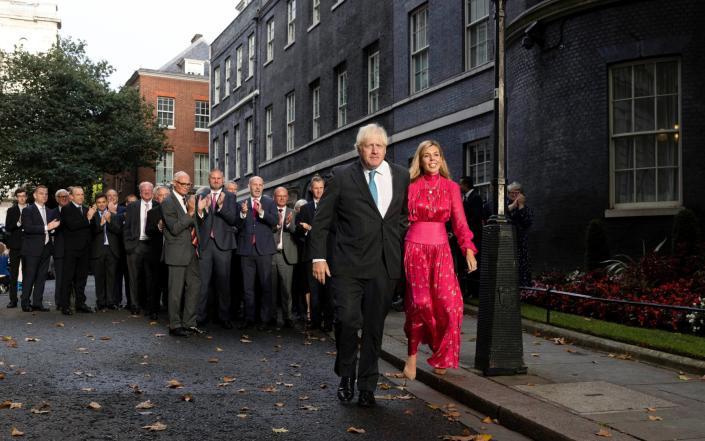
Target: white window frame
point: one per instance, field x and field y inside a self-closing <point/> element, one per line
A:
<point x="373" y="82"/>
<point x="238" y="68"/>
<point x="226" y="157"/>
<point x="657" y="133"/>
<point x="316" y="112"/>
<point x="216" y="152"/>
<point x="164" y="168"/>
<point x="473" y="166"/>
<point x="166" y="109"/>
<point x="270" y="40"/>
<point x="250" y="144"/>
<point x="477" y="18"/>
<point x="250" y="56"/>
<point x="315" y="12"/>
<point x="290" y="21"/>
<point x="290" y="121"/>
<point x="236" y="134"/>
<point x="418" y="32"/>
<point x="268" y="142"/>
<point x="202" y="115"/>
<point x="200" y="168"/>
<point x="228" y="72"/>
<point x="342" y="98"/>
<point x="216" y="85"/>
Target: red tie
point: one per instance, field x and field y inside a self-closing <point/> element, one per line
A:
<point x="255" y="206"/>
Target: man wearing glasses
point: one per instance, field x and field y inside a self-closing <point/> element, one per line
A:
<point x="181" y="255"/>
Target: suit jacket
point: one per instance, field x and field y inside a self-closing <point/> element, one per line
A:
<point x="307" y="215"/>
<point x="178" y="249"/>
<point x="76" y="228"/>
<point x="365" y="242"/>
<point x="474" y="213"/>
<point x="156" y="237"/>
<point x="58" y="238"/>
<point x="112" y="230"/>
<point x="289" y="247"/>
<point x="221" y="222"/>
<point x="14" y="240"/>
<point x="33" y="229"/>
<point x="260" y="227"/>
<point x="131" y="225"/>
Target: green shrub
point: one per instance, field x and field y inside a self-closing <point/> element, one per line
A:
<point x="597" y="249"/>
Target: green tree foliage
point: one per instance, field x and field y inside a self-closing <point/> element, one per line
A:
<point x="61" y="124"/>
<point x="597" y="249"/>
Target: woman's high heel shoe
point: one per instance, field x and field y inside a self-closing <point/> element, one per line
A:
<point x="439" y="371"/>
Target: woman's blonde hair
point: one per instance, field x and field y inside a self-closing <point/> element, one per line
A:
<point x="415" y="169"/>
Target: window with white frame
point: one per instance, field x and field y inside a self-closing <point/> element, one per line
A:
<point x="478" y="166"/>
<point x="200" y="169"/>
<point x="478" y="35"/>
<point x="238" y="68"/>
<point x="165" y="112"/>
<point x="236" y="139"/>
<point x="419" y="49"/>
<point x="227" y="76"/>
<point x="216" y="85"/>
<point x="164" y="168"/>
<point x="202" y="115"/>
<point x="373" y="82"/>
<point x="268" y="142"/>
<point x="315" y="12"/>
<point x="270" y="40"/>
<point x="226" y="156"/>
<point x="216" y="152"/>
<point x="290" y="120"/>
<point x="342" y="97"/>
<point x="250" y="145"/>
<point x="290" y="21"/>
<point x="316" y="106"/>
<point x="251" y="55"/>
<point x="645" y="147"/>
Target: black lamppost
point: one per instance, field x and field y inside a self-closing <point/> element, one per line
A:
<point x="499" y="348"/>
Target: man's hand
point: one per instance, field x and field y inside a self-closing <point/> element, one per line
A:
<point x="305" y="226"/>
<point x="288" y="218"/>
<point x="91" y="212"/>
<point x="53" y="224"/>
<point x="112" y="207"/>
<point x="243" y="207"/>
<point x="221" y="199"/>
<point x="191" y="205"/>
<point x="160" y="225"/>
<point x="320" y="271"/>
<point x="203" y="203"/>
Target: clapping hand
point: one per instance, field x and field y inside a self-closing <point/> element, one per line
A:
<point x="288" y="218"/>
<point x="221" y="199"/>
<point x="243" y="207"/>
<point x="204" y="202"/>
<point x="112" y="207"/>
<point x="191" y="205"/>
<point x="91" y="212"/>
<point x="53" y="224"/>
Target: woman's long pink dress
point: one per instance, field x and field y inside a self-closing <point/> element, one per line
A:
<point x="434" y="303"/>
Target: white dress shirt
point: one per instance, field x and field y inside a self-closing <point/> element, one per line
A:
<point x="145" y="206"/>
<point x="383" y="180"/>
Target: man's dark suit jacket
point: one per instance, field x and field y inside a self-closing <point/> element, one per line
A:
<point x="113" y="232"/>
<point x="76" y="228"/>
<point x="222" y="222"/>
<point x="307" y="214"/>
<point x="364" y="240"/>
<point x="131" y="225"/>
<point x="178" y="249"/>
<point x="474" y="213"/>
<point x="33" y="229"/>
<point x="14" y="240"/>
<point x="156" y="242"/>
<point x="261" y="228"/>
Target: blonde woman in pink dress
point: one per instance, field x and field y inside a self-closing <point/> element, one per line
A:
<point x="434" y="303"/>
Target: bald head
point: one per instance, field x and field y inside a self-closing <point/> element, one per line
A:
<point x="256" y="186"/>
<point x="281" y="196"/>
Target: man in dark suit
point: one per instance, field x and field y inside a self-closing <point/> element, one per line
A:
<point x="181" y="255"/>
<point x="286" y="257"/>
<point x="137" y="248"/>
<point x="235" y="269"/>
<point x="13" y="225"/>
<point x="366" y="203"/>
<point x="475" y="215"/>
<point x="105" y="252"/>
<point x="38" y="222"/>
<point x="160" y="272"/>
<point x="77" y="240"/>
<point x="121" y="271"/>
<point x="216" y="245"/>
<point x="256" y="246"/>
<point x="322" y="307"/>
<point x="62" y="199"/>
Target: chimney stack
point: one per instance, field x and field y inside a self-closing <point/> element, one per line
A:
<point x="196" y="37"/>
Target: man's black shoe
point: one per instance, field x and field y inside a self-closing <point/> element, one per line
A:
<point x="366" y="399"/>
<point x="226" y="324"/>
<point x="346" y="389"/>
<point x="66" y="311"/>
<point x="178" y="332"/>
<point x="288" y="323"/>
<point x="154" y="316"/>
<point x="134" y="311"/>
<point x="40" y="309"/>
<point x="27" y="308"/>
<point x="84" y="308"/>
<point x="12" y="305"/>
<point x="195" y="330"/>
<point x="398" y="305"/>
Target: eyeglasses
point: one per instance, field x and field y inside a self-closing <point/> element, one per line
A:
<point x="186" y="184"/>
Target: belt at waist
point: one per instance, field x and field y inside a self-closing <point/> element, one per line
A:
<point x="431" y="233"/>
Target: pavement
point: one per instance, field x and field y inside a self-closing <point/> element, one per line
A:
<point x="594" y="390"/>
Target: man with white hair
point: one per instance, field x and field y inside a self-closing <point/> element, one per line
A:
<point x="137" y="248"/>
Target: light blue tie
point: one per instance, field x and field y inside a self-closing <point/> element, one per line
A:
<point x="373" y="186"/>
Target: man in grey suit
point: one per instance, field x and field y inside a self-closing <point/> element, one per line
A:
<point x="181" y="255"/>
<point x="287" y="256"/>
<point x="218" y="239"/>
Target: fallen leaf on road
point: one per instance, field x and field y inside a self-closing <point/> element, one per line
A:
<point x="332" y="353"/>
<point x="5" y="404"/>
<point x="295" y="365"/>
<point x="309" y="408"/>
<point x="683" y="378"/>
<point x="135" y="389"/>
<point x="303" y="398"/>
<point x="31" y="339"/>
<point x="394" y="375"/>
<point x="82" y="349"/>
<point x="174" y="384"/>
<point x="278" y="404"/>
<point x="153" y="323"/>
<point x="160" y="335"/>
<point x="404" y="397"/>
<point x="242" y="391"/>
<point x="2" y="375"/>
<point x="106" y="338"/>
<point x="228" y="379"/>
<point x="187" y="397"/>
<point x="10" y="405"/>
<point x="655" y="418"/>
<point x="87" y="389"/>
<point x="212" y="360"/>
<point x="651" y="409"/>
<point x="263" y="360"/>
<point x="217" y="349"/>
<point x="408" y="412"/>
<point x="535" y="354"/>
<point x="323" y="386"/>
<point x="16" y="432"/>
<point x="288" y="385"/>
<point x="352" y="429"/>
<point x="487" y="420"/>
<point x="280" y="430"/>
<point x="145" y="405"/>
<point x="604" y="433"/>
<point x="95" y="406"/>
<point x="242" y="415"/>
<point x="245" y="340"/>
<point x="270" y="389"/>
<point x="156" y="427"/>
<point x="458" y="437"/>
<point x="41" y="409"/>
<point x="572" y="351"/>
<point x="560" y="340"/>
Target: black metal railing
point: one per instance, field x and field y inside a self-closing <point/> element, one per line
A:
<point x="550" y="292"/>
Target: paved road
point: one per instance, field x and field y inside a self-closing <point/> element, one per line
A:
<point x="278" y="380"/>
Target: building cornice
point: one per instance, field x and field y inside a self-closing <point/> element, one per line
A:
<point x="169" y="75"/>
<point x="237" y="105"/>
